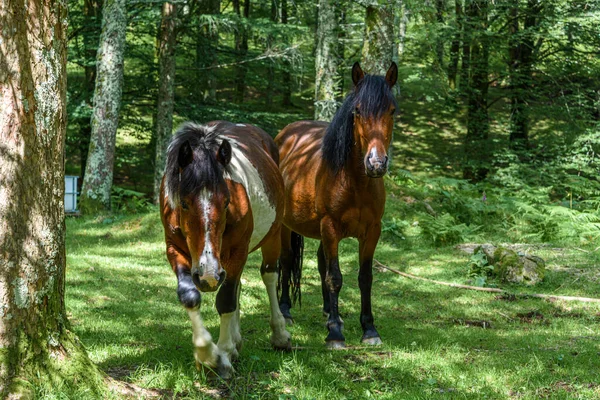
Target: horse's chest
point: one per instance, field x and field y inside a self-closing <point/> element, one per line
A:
<point x="355" y="221"/>
<point x="244" y="172"/>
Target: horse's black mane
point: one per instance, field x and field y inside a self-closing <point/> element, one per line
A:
<point x="374" y="95"/>
<point x="203" y="172"/>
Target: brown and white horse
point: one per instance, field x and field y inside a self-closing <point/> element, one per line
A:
<point x="222" y="198"/>
<point x="333" y="190"/>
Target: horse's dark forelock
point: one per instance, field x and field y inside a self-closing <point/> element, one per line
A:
<point x="374" y="96"/>
<point x="203" y="172"/>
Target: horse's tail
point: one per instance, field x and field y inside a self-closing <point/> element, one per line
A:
<point x="292" y="274"/>
<point x="296" y="271"/>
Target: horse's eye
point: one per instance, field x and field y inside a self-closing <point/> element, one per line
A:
<point x="393" y="111"/>
<point x="356" y="111"/>
<point x="184" y="205"/>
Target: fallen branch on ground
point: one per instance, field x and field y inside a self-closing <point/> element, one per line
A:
<point x="493" y="290"/>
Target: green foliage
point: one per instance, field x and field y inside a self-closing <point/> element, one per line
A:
<point x="129" y="201"/>
<point x="479" y="269"/>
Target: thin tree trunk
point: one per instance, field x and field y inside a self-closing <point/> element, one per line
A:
<point x="326" y="61"/>
<point x="378" y="45"/>
<point x="91" y="36"/>
<point x="241" y="47"/>
<point x="97" y="185"/>
<point x="476" y="143"/>
<point x="207" y="44"/>
<point x="455" y="46"/>
<point x="440" y="8"/>
<point x="166" y="96"/>
<point x="286" y="74"/>
<point x="271" y="66"/>
<point x="37" y="348"/>
<point x="402" y="24"/>
<point x="341" y="17"/>
<point x="520" y="69"/>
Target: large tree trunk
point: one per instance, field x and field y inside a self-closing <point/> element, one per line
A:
<point x="476" y="142"/>
<point x="326" y="61"/>
<point x="95" y="194"/>
<point x="166" y="96"/>
<point x="36" y="347"/>
<point x="378" y="46"/>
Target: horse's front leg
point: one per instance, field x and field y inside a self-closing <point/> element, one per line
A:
<point x="333" y="282"/>
<point x="280" y="338"/>
<point x="365" y="282"/>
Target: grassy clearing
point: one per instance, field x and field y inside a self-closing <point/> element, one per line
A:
<point x="122" y="303"/>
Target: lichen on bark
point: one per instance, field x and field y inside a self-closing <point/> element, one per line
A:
<point x="326" y="61"/>
<point x="97" y="183"/>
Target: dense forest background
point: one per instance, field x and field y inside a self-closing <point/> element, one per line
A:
<point x="505" y="95"/>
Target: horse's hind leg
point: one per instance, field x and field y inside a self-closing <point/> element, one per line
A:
<point x="280" y="338"/>
<point x="323" y="273"/>
<point x="286" y="259"/>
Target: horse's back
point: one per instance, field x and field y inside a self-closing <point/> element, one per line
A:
<point x="300" y="162"/>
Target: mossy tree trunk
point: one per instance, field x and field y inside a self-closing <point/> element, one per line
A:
<point x="326" y="60"/>
<point x="36" y="347"/>
<point x="97" y="184"/>
<point x="241" y="48"/>
<point x="286" y="74"/>
<point x="167" y="41"/>
<point x="378" y="45"/>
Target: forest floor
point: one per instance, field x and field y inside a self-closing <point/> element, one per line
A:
<point x="439" y="342"/>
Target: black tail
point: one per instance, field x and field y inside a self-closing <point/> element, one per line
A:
<point x="294" y="275"/>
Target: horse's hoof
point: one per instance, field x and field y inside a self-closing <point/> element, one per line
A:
<point x="335" y="344"/>
<point x="372" y="341"/>
<point x="282" y="342"/>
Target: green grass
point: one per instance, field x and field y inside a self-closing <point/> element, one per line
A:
<point x="122" y="303"/>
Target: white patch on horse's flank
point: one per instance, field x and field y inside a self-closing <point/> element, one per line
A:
<point x="240" y="125"/>
<point x="208" y="262"/>
<point x="241" y="170"/>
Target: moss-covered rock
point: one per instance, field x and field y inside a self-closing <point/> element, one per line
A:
<point x="516" y="268"/>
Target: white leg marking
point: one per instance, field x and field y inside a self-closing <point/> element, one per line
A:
<point x="281" y="338"/>
<point x="205" y="351"/>
<point x="226" y="345"/>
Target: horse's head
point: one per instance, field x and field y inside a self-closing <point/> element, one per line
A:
<point x="374" y="110"/>
<point x="201" y="197"/>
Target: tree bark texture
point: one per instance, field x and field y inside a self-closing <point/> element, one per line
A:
<point x="97" y="184"/>
<point x="378" y="45"/>
<point x="35" y="344"/>
<point x="476" y="143"/>
<point x="166" y="95"/>
<point x="326" y="61"/>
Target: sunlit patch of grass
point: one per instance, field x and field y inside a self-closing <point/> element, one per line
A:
<point x="438" y="341"/>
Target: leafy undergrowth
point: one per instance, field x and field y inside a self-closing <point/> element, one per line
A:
<point x="439" y="342"/>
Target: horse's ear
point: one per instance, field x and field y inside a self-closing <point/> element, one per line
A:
<point x="392" y="75"/>
<point x="224" y="153"/>
<point x="357" y="73"/>
<point x="186" y="155"/>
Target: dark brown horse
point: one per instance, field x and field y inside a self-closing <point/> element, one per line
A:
<point x="222" y="198"/>
<point x="333" y="190"/>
